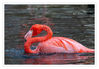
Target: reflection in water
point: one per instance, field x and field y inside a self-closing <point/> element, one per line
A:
<point x="19" y="57"/>
<point x="57" y="59"/>
<point x="72" y="21"/>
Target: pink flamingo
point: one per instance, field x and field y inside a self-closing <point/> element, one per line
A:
<point x="49" y="44"/>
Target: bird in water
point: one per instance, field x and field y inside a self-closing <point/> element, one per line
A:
<point x="49" y="44"/>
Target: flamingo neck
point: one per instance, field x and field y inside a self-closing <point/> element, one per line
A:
<point x="30" y="41"/>
<point x="49" y="33"/>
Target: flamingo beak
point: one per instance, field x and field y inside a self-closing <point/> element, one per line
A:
<point x="28" y="34"/>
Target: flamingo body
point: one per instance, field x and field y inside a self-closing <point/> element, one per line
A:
<point x="62" y="45"/>
<point x="49" y="44"/>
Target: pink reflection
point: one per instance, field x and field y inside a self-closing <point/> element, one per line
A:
<point x="57" y="59"/>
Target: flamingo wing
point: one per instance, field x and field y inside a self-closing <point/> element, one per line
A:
<point x="62" y="44"/>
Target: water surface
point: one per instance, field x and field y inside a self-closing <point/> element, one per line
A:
<point x="72" y="21"/>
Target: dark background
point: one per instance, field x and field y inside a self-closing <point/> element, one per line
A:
<point x="72" y="21"/>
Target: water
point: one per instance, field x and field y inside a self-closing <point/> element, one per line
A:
<point x="72" y="21"/>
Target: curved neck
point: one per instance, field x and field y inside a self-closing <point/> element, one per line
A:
<point x="30" y="41"/>
<point x="49" y="33"/>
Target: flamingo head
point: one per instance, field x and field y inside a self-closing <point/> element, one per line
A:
<point x="34" y="30"/>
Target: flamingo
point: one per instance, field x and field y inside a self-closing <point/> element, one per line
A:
<point x="49" y="44"/>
